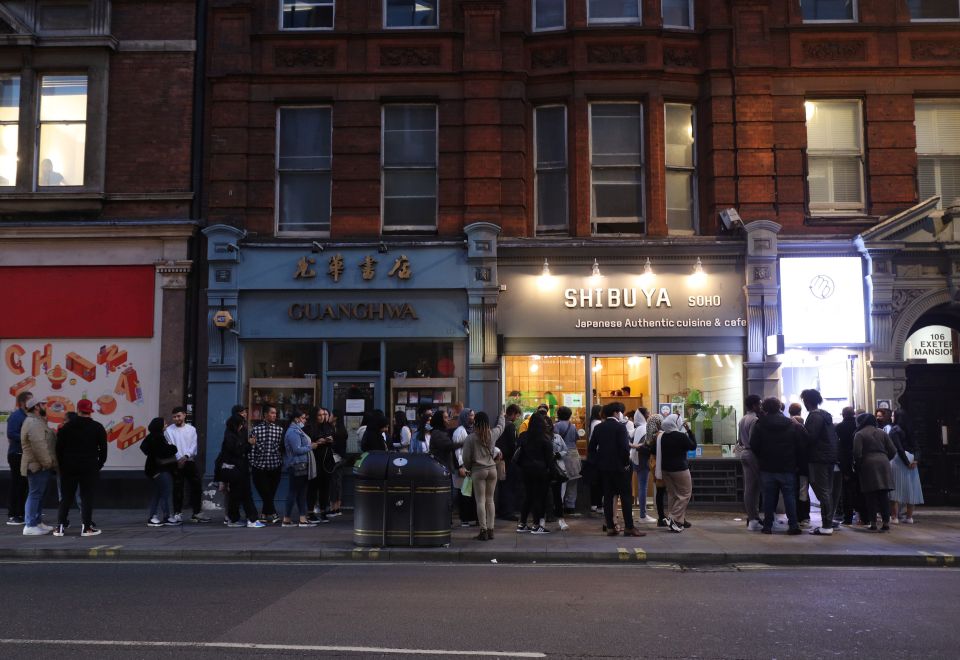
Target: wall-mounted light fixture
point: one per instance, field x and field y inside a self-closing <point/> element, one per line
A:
<point x="648" y="275"/>
<point x="698" y="276"/>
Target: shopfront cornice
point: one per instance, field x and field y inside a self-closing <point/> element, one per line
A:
<point x="101" y="229"/>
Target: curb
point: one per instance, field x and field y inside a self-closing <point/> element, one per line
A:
<point x="620" y="555"/>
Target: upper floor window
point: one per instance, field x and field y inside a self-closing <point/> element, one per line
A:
<point x="304" y="158"/>
<point x="550" y="178"/>
<point x="549" y="14"/>
<point x="409" y="167"/>
<point x="62" y="131"/>
<point x="938" y="150"/>
<point x="613" y="11"/>
<point x="680" y="159"/>
<point x="677" y="13"/>
<point x="828" y="10"/>
<point x="616" y="168"/>
<point x="410" y="13"/>
<point x="835" y="156"/>
<point x="934" y="10"/>
<point x="307" y="14"/>
<point x="9" y="129"/>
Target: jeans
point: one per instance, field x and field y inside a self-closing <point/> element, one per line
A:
<point x="87" y="481"/>
<point x="643" y="477"/>
<point x="36" y="487"/>
<point x="751" y="485"/>
<point x="570" y="494"/>
<point x="535" y="486"/>
<point x="775" y="484"/>
<point x="18" y="487"/>
<point x="821" y="480"/>
<point x="296" y="493"/>
<point x="186" y="474"/>
<point x="614" y="484"/>
<point x="161" y="504"/>
<point x="266" y="483"/>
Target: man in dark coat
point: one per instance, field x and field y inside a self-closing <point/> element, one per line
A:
<point x="777" y="442"/>
<point x="609" y="451"/>
<point x="821" y="458"/>
<point x="81" y="453"/>
<point x="852" y="499"/>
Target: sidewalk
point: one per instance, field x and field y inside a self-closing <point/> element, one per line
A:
<point x="716" y="538"/>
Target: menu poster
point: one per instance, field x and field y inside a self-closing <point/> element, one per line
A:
<point x="120" y="376"/>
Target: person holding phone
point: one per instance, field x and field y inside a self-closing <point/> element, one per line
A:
<point x="672" y="447"/>
<point x="296" y="462"/>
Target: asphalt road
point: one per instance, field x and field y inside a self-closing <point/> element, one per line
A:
<point x="187" y="611"/>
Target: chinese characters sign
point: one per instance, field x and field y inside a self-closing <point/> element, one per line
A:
<point x="336" y="265"/>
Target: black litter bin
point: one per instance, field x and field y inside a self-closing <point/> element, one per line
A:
<point x="400" y="499"/>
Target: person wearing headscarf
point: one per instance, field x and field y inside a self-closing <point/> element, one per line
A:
<point x="872" y="451"/>
<point x="671" y="450"/>
<point x="654" y="423"/>
<point x="159" y="467"/>
<point x="906" y="477"/>
<point x="468" y="505"/>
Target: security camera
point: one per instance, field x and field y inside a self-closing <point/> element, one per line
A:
<point x="730" y="219"/>
<point x="317" y="247"/>
<point x="233" y="247"/>
<point x="382" y="248"/>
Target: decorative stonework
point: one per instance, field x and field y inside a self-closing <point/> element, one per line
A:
<point x="934" y="49"/>
<point x="548" y="58"/>
<point x="681" y="57"/>
<point x="173" y="274"/>
<point x="903" y="297"/>
<point x="761" y="273"/>
<point x="318" y="58"/>
<point x="616" y="54"/>
<point x="835" y="51"/>
<point x="400" y="56"/>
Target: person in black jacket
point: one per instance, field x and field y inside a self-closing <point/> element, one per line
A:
<point x="161" y="462"/>
<point x="777" y="442"/>
<point x="338" y="452"/>
<point x="609" y="450"/>
<point x="320" y="430"/>
<point x="535" y="455"/>
<point x="81" y="452"/>
<point x="821" y="458"/>
<point x="375" y="436"/>
<point x="671" y="449"/>
<point x="235" y="469"/>
<point x="851" y="499"/>
<point x="509" y="490"/>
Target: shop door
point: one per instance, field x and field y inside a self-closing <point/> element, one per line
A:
<point x="354" y="398"/>
<point x="932" y="399"/>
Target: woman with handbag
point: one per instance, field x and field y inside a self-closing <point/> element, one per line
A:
<point x="235" y="470"/>
<point x="296" y="463"/>
<point x="671" y="452"/>
<point x="480" y="458"/>
<point x="159" y="467"/>
<point x="319" y="429"/>
<point x="654" y="423"/>
<point x="558" y="474"/>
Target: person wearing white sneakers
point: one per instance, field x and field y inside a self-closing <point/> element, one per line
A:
<point x="81" y="454"/>
<point x="39" y="463"/>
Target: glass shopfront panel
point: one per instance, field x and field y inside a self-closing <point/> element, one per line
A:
<point x="625" y="379"/>
<point x="834" y="372"/>
<point x="557" y="380"/>
<point x="707" y="390"/>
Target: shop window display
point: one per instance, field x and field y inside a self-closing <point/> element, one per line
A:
<point x="708" y="389"/>
<point x="552" y="379"/>
<point x="625" y="379"/>
<point x="353" y="356"/>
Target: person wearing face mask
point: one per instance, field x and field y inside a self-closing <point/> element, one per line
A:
<point x="296" y="463"/>
<point x="672" y="446"/>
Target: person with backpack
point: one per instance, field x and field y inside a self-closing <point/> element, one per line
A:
<point x="822" y="458"/>
<point x="571" y="459"/>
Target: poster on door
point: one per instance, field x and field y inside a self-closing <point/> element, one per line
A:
<point x="120" y="376"/>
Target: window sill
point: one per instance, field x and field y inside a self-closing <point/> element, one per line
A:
<point x="43" y="202"/>
<point x="850" y="219"/>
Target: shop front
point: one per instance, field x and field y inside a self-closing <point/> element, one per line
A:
<point x="667" y="334"/>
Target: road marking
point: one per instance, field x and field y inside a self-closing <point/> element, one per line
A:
<point x="266" y="647"/>
<point x="947" y="559"/>
<point x="640" y="554"/>
<point x="623" y="554"/>
<point x="932" y="559"/>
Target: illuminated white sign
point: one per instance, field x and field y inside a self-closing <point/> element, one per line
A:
<point x="822" y="301"/>
<point x="933" y="343"/>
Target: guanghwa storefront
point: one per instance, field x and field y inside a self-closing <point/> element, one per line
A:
<point x="667" y="334"/>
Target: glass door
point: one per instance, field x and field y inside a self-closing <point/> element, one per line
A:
<point x="354" y="397"/>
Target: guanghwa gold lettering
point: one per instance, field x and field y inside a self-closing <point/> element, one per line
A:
<point x="352" y="312"/>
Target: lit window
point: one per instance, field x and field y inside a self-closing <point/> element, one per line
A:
<point x="409" y="167"/>
<point x="550" y="128"/>
<point x="934" y="10"/>
<point x="616" y="167"/>
<point x="829" y="10"/>
<point x="938" y="150"/>
<point x="307" y="14"/>
<point x="63" y="131"/>
<point x="613" y="11"/>
<point x="834" y="156"/>
<point x="303" y="170"/>
<point x="548" y="14"/>
<point x="707" y="390"/>
<point x="410" y="13"/>
<point x="678" y="13"/>
<point x="681" y="163"/>
<point x="9" y="129"/>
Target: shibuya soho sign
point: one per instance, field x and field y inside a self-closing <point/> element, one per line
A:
<point x="623" y="304"/>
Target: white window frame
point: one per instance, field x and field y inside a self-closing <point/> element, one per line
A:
<point x="565" y="225"/>
<point x="854" y="19"/>
<point x="333" y="22"/>
<point x="40" y="123"/>
<point x="12" y="185"/>
<point x="410" y="27"/>
<point x="934" y="20"/>
<point x="276" y="183"/>
<point x="936" y="157"/>
<point x="616" y="21"/>
<point x="679" y="27"/>
<point x="694" y="180"/>
<point x="833" y="207"/>
<point x="436" y="171"/>
<point x="533" y="18"/>
<point x="596" y="220"/>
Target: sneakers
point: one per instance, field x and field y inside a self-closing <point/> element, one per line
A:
<point x="289" y="524"/>
<point x="662" y="522"/>
<point x="256" y="524"/>
<point x="894" y="521"/>
<point x="805" y="523"/>
<point x="822" y="531"/>
<point x="755" y="525"/>
<point x="906" y="521"/>
<point x="307" y="524"/>
<point x="59" y="530"/>
<point x="14" y="520"/>
<point x="794" y="531"/>
<point x="322" y="520"/>
<point x="155" y="522"/>
<point x="646" y="520"/>
<point x="563" y="525"/>
<point x="238" y="523"/>
<point x="34" y="531"/>
<point x="48" y="528"/>
<point x="90" y="530"/>
<point x="172" y="521"/>
<point x="197" y="518"/>
<point x="674" y="527"/>
<point x="540" y="530"/>
<point x="178" y="517"/>
<point x="523" y="528"/>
